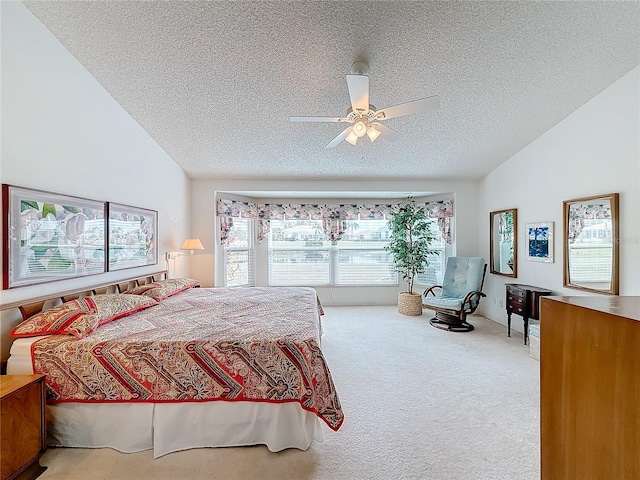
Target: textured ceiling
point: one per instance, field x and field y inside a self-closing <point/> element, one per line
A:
<point x="214" y="83"/>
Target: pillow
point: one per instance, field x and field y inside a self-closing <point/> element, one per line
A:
<point x="113" y="306"/>
<point x="55" y="321"/>
<point x="164" y="288"/>
<point x="81" y="316"/>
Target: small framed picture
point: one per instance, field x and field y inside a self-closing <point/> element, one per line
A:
<point x="540" y="242"/>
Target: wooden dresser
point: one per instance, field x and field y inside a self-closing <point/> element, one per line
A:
<point x="590" y="388"/>
<point x="22" y="425"/>
<point x="523" y="300"/>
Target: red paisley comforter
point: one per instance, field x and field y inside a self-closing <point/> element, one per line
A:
<point x="257" y="344"/>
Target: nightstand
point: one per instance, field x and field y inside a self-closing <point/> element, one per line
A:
<point x="524" y="300"/>
<point x="22" y="425"/>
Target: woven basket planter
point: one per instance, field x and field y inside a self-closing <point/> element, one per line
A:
<point x="410" y="304"/>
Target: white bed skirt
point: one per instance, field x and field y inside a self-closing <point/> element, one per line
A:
<point x="171" y="427"/>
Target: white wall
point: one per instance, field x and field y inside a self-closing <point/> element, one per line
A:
<point x="593" y="151"/>
<point x="464" y="194"/>
<point x="63" y="133"/>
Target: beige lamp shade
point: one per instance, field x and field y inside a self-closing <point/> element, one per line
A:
<point x="192" y="244"/>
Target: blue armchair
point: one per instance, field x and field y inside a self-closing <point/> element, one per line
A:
<point x="460" y="294"/>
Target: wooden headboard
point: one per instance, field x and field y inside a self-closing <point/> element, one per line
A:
<point x="15" y="312"/>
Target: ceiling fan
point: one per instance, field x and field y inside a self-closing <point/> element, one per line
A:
<point x="364" y="118"/>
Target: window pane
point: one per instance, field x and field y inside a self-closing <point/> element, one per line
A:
<point x="591" y="253"/>
<point x="239" y="254"/>
<point x="434" y="273"/>
<point x="239" y="235"/>
<point x="298" y="253"/>
<point x="362" y="259"/>
<point x="239" y="268"/>
<point x="365" y="267"/>
<point x="299" y="267"/>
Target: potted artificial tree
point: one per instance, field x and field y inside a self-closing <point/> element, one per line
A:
<point x="411" y="237"/>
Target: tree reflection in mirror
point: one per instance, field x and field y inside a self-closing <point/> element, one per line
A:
<point x="503" y="227"/>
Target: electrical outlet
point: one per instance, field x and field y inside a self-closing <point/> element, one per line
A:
<point x="329" y="295"/>
<point x="501" y="304"/>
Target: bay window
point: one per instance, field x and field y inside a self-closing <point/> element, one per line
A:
<point x="318" y="244"/>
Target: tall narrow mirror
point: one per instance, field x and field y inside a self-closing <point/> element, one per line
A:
<point x="503" y="225"/>
<point x="591" y="260"/>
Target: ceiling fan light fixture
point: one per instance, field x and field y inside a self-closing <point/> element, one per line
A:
<point x="372" y="133"/>
<point x="352" y="138"/>
<point x="359" y="128"/>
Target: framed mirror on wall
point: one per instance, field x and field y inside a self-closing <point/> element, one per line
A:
<point x="503" y="242"/>
<point x="591" y="254"/>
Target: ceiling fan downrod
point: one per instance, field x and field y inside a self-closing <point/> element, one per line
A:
<point x="360" y="68"/>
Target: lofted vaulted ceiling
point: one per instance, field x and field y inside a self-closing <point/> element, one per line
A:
<point x="214" y="82"/>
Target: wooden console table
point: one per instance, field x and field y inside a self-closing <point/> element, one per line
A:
<point x="524" y="300"/>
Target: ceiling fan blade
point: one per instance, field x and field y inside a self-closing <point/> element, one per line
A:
<point x="318" y="119"/>
<point x="387" y="133"/>
<point x="359" y="92"/>
<point x="409" y="108"/>
<point x="339" y="138"/>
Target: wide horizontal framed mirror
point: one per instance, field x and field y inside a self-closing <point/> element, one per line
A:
<point x="591" y="257"/>
<point x="503" y="226"/>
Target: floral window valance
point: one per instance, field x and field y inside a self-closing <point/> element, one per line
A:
<point x="306" y="211"/>
<point x="332" y="215"/>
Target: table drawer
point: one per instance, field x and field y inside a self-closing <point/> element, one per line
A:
<point x="517" y="308"/>
<point x="516" y="293"/>
<point x="514" y="300"/>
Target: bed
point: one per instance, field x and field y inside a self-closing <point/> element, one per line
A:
<point x="199" y="367"/>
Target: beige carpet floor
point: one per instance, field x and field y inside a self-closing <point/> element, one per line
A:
<point x="419" y="403"/>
